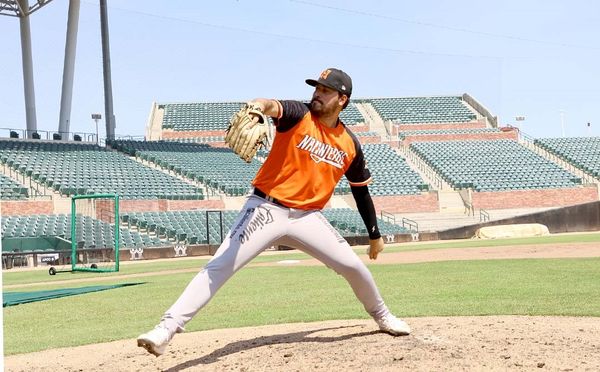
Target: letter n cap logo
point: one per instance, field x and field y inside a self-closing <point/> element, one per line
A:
<point x="324" y="74"/>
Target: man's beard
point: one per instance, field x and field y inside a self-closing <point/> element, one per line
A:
<point x="319" y="108"/>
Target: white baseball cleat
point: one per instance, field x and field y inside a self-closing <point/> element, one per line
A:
<point x="155" y="341"/>
<point x="392" y="325"/>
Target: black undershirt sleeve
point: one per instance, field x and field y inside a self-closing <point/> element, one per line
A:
<point x="293" y="112"/>
<point x="365" y="206"/>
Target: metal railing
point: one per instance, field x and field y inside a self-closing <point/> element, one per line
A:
<point x="484" y="216"/>
<point x="388" y="217"/>
<point x="410" y="225"/>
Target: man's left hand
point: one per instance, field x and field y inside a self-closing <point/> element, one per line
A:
<point x="375" y="247"/>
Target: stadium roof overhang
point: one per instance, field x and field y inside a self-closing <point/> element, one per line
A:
<point x="20" y="8"/>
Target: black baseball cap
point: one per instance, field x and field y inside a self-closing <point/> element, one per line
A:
<point x="334" y="79"/>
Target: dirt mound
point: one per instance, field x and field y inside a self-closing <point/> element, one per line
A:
<point x="439" y="343"/>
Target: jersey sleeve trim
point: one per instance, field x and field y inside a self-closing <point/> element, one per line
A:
<point x="279" y="111"/>
<point x="363" y="183"/>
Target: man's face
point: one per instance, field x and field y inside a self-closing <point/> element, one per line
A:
<point x="325" y="101"/>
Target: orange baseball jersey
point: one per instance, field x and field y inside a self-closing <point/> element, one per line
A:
<point x="308" y="159"/>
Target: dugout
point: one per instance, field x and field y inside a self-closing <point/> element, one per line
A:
<point x="32" y="251"/>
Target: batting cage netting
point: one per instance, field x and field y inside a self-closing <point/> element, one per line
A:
<point x="95" y="233"/>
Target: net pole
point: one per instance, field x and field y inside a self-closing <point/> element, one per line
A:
<point x="73" y="242"/>
<point x="117" y="232"/>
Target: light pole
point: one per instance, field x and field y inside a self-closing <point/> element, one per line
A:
<point x="97" y="117"/>
<point x="518" y="119"/>
<point x="562" y="123"/>
<point x="589" y="129"/>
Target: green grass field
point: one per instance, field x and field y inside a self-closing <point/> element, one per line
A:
<point x="267" y="295"/>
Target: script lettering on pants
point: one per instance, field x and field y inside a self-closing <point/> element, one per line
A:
<point x="261" y="218"/>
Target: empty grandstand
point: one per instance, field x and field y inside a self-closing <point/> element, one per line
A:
<point x="91" y="232"/>
<point x="493" y="165"/>
<point x="218" y="168"/>
<point x="198" y="116"/>
<point x="11" y="189"/>
<point x="391" y="173"/>
<point x="348" y="222"/>
<point x="206" y="122"/>
<point x="351" y="115"/>
<point x="215" y="115"/>
<point x="191" y="227"/>
<point x="581" y="152"/>
<point x="417" y="110"/>
<point x="185" y="190"/>
<point x="78" y="169"/>
<point x="209" y="227"/>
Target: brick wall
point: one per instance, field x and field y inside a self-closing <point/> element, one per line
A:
<point x="513" y="135"/>
<point x="393" y="143"/>
<point x="369" y="139"/>
<point x="26" y="207"/>
<point x="439" y="126"/>
<point x="159" y="205"/>
<point x="105" y="208"/>
<point x="424" y="202"/>
<point x="535" y="198"/>
<point x="192" y="133"/>
<point x="359" y="128"/>
<point x="173" y="205"/>
<point x="169" y="134"/>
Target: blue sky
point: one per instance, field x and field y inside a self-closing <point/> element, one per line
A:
<point x="531" y="58"/>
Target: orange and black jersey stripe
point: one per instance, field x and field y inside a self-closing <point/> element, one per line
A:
<point x="308" y="159"/>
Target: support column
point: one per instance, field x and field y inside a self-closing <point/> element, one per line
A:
<point x="69" y="69"/>
<point x="109" y="117"/>
<point x="27" y="62"/>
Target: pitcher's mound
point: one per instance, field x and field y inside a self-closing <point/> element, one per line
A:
<point x="439" y="343"/>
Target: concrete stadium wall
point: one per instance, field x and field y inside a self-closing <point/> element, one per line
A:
<point x="165" y="252"/>
<point x="424" y="202"/>
<point x="204" y="250"/>
<point x="512" y="135"/>
<point x="535" y="198"/>
<point x="26" y="207"/>
<point x="576" y="218"/>
<point x="482" y="110"/>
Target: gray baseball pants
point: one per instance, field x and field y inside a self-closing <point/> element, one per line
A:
<point x="262" y="224"/>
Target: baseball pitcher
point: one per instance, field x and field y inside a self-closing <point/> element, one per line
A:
<point x="312" y="149"/>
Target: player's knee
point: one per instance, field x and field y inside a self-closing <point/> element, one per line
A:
<point x="350" y="269"/>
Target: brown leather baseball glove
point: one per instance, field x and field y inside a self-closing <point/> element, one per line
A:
<point x="248" y="131"/>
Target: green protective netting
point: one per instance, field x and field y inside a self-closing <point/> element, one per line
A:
<point x="16" y="298"/>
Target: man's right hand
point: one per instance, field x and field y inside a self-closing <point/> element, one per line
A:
<point x="375" y="247"/>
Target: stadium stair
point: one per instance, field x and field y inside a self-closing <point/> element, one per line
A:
<point x="372" y="119"/>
